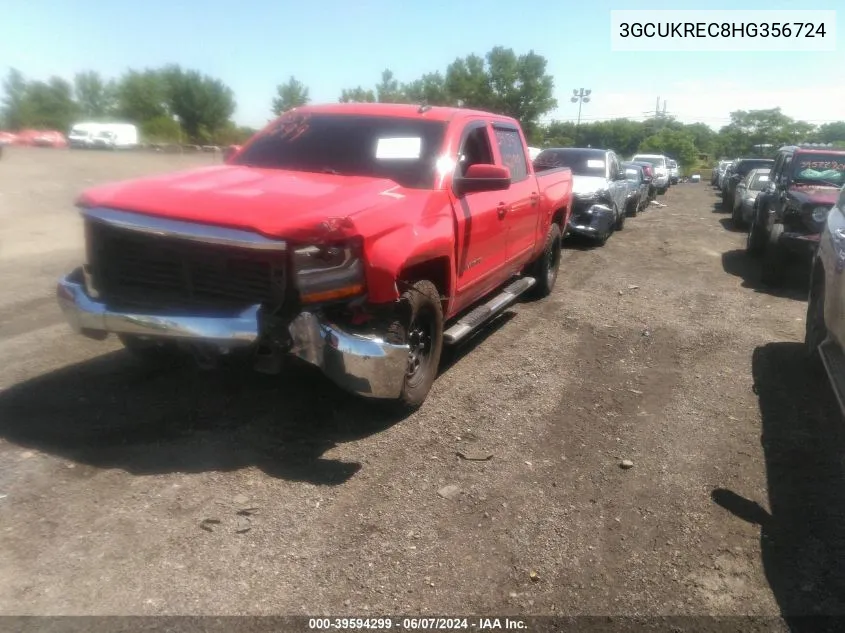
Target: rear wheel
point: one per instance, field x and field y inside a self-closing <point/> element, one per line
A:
<point x="419" y="324"/>
<point x="774" y="266"/>
<point x="736" y="216"/>
<point x="620" y="219"/>
<point x="545" y="269"/>
<point x="755" y="241"/>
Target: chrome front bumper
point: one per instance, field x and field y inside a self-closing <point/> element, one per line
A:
<point x="365" y="365"/>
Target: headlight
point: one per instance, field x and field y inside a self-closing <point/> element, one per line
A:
<point x="328" y="272"/>
<point x="820" y="214"/>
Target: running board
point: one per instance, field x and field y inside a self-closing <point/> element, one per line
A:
<point x="834" y="364"/>
<point x="483" y="313"/>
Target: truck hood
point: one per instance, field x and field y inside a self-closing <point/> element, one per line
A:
<point x="814" y="194"/>
<point x="587" y="184"/>
<point x="272" y="202"/>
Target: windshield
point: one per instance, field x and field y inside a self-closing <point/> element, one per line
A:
<point x="758" y="180"/>
<point x="820" y="168"/>
<point x="744" y="167"/>
<point x="400" y="149"/>
<point x="581" y="162"/>
<point x="632" y="174"/>
<point x="657" y="161"/>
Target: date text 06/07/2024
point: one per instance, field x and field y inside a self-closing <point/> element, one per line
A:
<point x="480" y="624"/>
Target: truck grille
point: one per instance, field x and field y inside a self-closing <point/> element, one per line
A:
<point x="133" y="268"/>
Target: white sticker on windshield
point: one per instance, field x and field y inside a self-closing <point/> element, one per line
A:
<point x="595" y="164"/>
<point x="398" y="148"/>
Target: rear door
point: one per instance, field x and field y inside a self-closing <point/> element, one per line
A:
<point x="618" y="187"/>
<point x="481" y="243"/>
<point x="522" y="198"/>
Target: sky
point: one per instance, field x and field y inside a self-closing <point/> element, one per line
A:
<point x="253" y="45"/>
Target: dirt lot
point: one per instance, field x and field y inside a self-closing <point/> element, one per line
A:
<point x="660" y="348"/>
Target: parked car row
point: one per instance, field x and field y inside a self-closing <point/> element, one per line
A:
<point x="605" y="188"/>
<point x="793" y="208"/>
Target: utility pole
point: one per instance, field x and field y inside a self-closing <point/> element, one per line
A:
<point x="579" y="96"/>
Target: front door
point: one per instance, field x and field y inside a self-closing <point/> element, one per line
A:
<point x="481" y="221"/>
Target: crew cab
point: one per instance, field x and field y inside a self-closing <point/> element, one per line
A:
<point x="790" y="212"/>
<point x="359" y="238"/>
<point x="824" y="337"/>
<point x="600" y="188"/>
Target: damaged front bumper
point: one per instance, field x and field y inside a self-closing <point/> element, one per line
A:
<point x="592" y="220"/>
<point x="362" y="364"/>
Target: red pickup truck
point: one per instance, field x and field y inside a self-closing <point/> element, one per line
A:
<point x="358" y="237"/>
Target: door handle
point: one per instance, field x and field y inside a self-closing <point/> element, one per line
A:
<point x="535" y="198"/>
<point x="501" y="209"/>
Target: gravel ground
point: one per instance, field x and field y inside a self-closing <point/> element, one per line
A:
<point x="124" y="491"/>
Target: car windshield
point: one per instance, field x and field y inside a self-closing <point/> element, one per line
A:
<point x="820" y="168"/>
<point x="632" y="173"/>
<point x="657" y="161"/>
<point x="758" y="180"/>
<point x="582" y="162"/>
<point x="745" y="166"/>
<point x="404" y="150"/>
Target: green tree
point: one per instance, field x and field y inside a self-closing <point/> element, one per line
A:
<point x="142" y="96"/>
<point x="95" y="98"/>
<point x="357" y="95"/>
<point x="388" y="89"/>
<point x="468" y="84"/>
<point x="520" y="86"/>
<point x="429" y="89"/>
<point x="50" y="104"/>
<point x="831" y="132"/>
<point x="289" y="95"/>
<point x="750" y="128"/>
<point x="14" y="111"/>
<point x="675" y="143"/>
<point x="203" y="104"/>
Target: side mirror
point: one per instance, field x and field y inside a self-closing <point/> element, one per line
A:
<point x="480" y="178"/>
<point x="230" y="151"/>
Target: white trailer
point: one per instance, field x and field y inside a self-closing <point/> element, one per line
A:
<point x="104" y="135"/>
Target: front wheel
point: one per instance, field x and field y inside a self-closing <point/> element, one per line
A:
<point x="545" y="269"/>
<point x="620" y="220"/>
<point x="736" y="216"/>
<point x="419" y="324"/>
<point x="815" y="331"/>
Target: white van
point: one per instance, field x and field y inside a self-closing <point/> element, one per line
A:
<point x="104" y="135"/>
<point x="661" y="169"/>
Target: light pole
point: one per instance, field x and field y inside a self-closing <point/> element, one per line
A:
<point x="580" y="96"/>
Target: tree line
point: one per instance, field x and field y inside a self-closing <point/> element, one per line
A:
<point x="173" y="104"/>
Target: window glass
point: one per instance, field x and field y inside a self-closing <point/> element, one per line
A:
<point x="513" y="154"/>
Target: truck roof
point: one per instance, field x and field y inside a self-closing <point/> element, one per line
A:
<point x="414" y="111"/>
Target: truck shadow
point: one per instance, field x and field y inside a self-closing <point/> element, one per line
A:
<point x="803" y="536"/>
<point x="742" y="265"/>
<point x="729" y="225"/>
<point x="110" y="412"/>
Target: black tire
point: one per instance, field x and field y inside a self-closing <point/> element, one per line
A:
<point x="815" y="330"/>
<point x="774" y="266"/>
<point x="545" y="268"/>
<point x="620" y="220"/>
<point x="633" y="208"/>
<point x="419" y="323"/>
<point x="755" y="241"/>
<point x="662" y="191"/>
<point x="156" y="353"/>
<point x="736" y="217"/>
